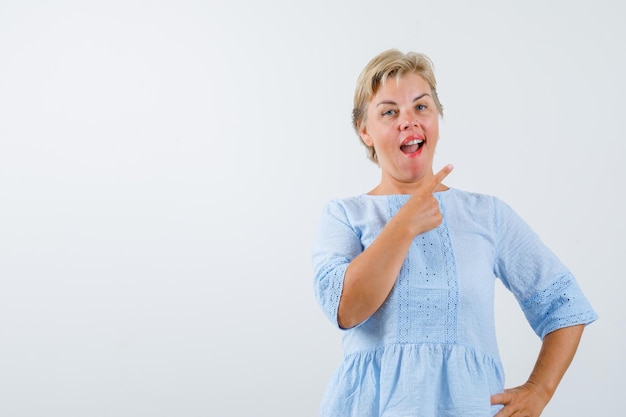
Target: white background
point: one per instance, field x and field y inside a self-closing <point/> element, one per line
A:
<point x="163" y="165"/>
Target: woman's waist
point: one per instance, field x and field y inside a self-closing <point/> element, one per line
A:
<point x="431" y="353"/>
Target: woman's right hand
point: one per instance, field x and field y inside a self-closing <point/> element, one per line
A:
<point x="421" y="211"/>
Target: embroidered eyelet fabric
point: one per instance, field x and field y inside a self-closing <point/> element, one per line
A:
<point x="430" y="349"/>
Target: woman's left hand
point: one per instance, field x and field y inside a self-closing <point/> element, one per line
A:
<point x="523" y="401"/>
<point x="528" y="400"/>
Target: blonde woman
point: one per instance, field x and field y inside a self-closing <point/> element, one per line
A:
<point x="407" y="271"/>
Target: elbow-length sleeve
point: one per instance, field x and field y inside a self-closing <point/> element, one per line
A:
<point x="546" y="290"/>
<point x="337" y="243"/>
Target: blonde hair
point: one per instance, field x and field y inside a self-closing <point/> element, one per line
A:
<point x="390" y="63"/>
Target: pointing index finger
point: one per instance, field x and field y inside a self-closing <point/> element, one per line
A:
<point x="440" y="176"/>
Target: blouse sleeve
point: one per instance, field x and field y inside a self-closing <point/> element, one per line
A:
<point x="337" y="243"/>
<point x="545" y="289"/>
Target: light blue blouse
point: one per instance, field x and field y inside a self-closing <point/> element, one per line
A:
<point x="430" y="350"/>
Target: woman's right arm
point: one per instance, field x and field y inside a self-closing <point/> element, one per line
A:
<point x="371" y="275"/>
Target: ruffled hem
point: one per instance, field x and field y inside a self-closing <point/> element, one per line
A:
<point x="414" y="380"/>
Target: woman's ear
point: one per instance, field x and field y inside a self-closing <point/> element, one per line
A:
<point x="367" y="139"/>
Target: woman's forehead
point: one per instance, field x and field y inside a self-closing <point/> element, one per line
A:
<point x="406" y="84"/>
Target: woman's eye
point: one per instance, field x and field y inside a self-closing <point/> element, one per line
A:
<point x="421" y="107"/>
<point x="389" y="113"/>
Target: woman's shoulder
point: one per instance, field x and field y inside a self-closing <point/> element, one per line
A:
<point x="365" y="212"/>
<point x="360" y="200"/>
<point x="361" y="205"/>
<point x="473" y="204"/>
<point x="468" y="197"/>
<point x="480" y="205"/>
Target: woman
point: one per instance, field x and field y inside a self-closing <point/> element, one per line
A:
<point x="407" y="271"/>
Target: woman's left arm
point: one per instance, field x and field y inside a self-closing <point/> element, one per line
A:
<point x="528" y="400"/>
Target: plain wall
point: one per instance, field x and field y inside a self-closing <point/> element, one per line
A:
<point x="163" y="165"/>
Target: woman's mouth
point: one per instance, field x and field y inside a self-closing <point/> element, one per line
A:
<point x="412" y="146"/>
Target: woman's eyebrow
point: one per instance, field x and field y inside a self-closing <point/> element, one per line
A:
<point x="391" y="102"/>
<point x="421" y="96"/>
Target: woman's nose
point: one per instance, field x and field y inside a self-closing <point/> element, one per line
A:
<point x="408" y="123"/>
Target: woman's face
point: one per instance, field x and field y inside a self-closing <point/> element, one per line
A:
<point x="403" y="127"/>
